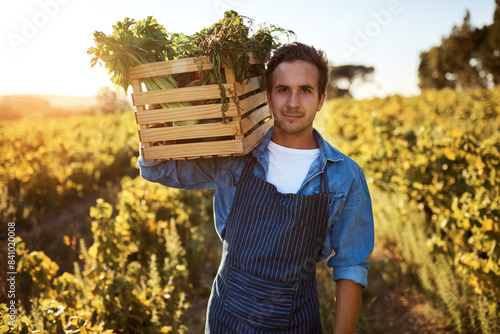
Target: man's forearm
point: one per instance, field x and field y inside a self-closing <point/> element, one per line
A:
<point x="348" y="300"/>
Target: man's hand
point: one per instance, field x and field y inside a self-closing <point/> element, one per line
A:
<point x="348" y="300"/>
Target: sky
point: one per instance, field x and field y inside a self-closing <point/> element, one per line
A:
<point x="44" y="43"/>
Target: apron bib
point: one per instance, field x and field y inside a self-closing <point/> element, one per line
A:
<point x="266" y="282"/>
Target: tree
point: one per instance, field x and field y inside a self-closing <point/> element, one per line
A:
<point x="489" y="52"/>
<point x="343" y="77"/>
<point x="430" y="72"/>
<point x="468" y="58"/>
<point x="109" y="101"/>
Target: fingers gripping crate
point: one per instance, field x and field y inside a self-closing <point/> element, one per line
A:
<point x="198" y="130"/>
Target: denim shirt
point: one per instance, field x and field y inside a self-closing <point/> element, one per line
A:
<point x="350" y="233"/>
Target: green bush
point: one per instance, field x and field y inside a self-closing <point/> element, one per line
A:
<point x="46" y="162"/>
<point x="134" y="277"/>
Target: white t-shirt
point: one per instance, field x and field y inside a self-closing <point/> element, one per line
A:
<point x="288" y="167"/>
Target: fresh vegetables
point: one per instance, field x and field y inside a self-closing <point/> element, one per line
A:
<point x="226" y="42"/>
<point x="133" y="43"/>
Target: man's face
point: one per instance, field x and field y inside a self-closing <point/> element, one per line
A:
<point x="294" y="98"/>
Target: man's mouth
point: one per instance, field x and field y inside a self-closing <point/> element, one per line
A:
<point x="291" y="115"/>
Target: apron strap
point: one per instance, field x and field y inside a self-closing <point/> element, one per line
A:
<point x="324" y="182"/>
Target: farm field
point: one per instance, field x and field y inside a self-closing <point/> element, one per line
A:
<point x="98" y="249"/>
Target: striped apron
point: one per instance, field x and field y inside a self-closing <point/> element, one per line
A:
<point x="266" y="282"/>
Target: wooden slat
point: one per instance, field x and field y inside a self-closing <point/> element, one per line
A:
<point x="231" y="78"/>
<point x="178" y="94"/>
<point x="168" y="67"/>
<point x="175" y="66"/>
<point x="247" y="86"/>
<point x="181" y="151"/>
<point x="136" y="86"/>
<point x="191" y="113"/>
<point x="254" y="118"/>
<point x="229" y="72"/>
<point x="190" y="132"/>
<point x="252" y="102"/>
<point x="253" y="139"/>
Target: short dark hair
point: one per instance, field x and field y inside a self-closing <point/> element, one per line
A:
<point x="299" y="51"/>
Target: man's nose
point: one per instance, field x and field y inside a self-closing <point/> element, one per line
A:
<point x="293" y="100"/>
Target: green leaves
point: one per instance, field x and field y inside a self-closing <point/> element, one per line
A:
<point x="131" y="43"/>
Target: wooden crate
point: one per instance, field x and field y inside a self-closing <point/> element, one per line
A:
<point x="162" y="131"/>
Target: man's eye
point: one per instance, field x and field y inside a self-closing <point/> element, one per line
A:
<point x="306" y="90"/>
<point x="282" y="90"/>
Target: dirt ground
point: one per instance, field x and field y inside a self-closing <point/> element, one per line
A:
<point x="394" y="307"/>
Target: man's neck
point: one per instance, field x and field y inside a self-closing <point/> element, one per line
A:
<point x="303" y="141"/>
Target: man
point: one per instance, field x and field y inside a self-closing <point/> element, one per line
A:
<point x="281" y="209"/>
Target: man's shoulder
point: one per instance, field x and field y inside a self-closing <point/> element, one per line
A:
<point x="330" y="152"/>
<point x="235" y="162"/>
<point x="337" y="160"/>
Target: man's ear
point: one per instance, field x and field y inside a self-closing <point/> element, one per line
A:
<point x="268" y="96"/>
<point x="321" y="101"/>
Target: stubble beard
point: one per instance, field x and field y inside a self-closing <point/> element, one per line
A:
<point x="291" y="127"/>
